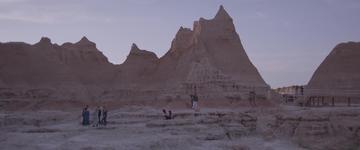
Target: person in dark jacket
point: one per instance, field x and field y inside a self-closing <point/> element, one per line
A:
<point x="104" y="116"/>
<point x="164" y="112"/>
<point x="86" y="116"/>
<point x="170" y="115"/>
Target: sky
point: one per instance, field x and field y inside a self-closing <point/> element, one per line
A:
<point x="285" y="39"/>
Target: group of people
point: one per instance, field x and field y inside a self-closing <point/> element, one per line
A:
<point x="99" y="116"/>
<point x="100" y="113"/>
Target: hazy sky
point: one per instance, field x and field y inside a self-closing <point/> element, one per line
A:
<point x="285" y="39"/>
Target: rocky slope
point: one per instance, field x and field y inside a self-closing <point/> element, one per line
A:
<point x="210" y="60"/>
<point x="339" y="73"/>
<point x="138" y="67"/>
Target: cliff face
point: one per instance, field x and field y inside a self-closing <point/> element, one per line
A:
<point x="31" y="65"/>
<point x="208" y="59"/>
<point x="62" y="72"/>
<point x="217" y="41"/>
<point x="137" y="69"/>
<point x="339" y="73"/>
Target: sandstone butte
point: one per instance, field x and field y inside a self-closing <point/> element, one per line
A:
<point x="339" y="74"/>
<point x="208" y="59"/>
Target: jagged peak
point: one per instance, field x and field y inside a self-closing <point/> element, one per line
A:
<point x="134" y="48"/>
<point x="184" y="29"/>
<point x="222" y="14"/>
<point x="221" y="17"/>
<point x="85" y="41"/>
<point x="44" y="40"/>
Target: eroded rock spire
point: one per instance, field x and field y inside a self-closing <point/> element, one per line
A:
<point x="222" y="14"/>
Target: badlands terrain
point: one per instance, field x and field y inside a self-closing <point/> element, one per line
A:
<point x="45" y="86"/>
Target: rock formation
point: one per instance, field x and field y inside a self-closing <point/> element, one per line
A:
<point x="137" y="68"/>
<point x="208" y="59"/>
<point x="61" y="72"/>
<point x="211" y="58"/>
<point x="339" y="73"/>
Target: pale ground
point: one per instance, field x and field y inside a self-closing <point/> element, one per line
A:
<point x="135" y="128"/>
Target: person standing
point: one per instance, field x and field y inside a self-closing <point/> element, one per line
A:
<point x="170" y="115"/>
<point x="99" y="116"/>
<point x="195" y="102"/>
<point x="85" y="116"/>
<point x="104" y="116"/>
<point x="192" y="100"/>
